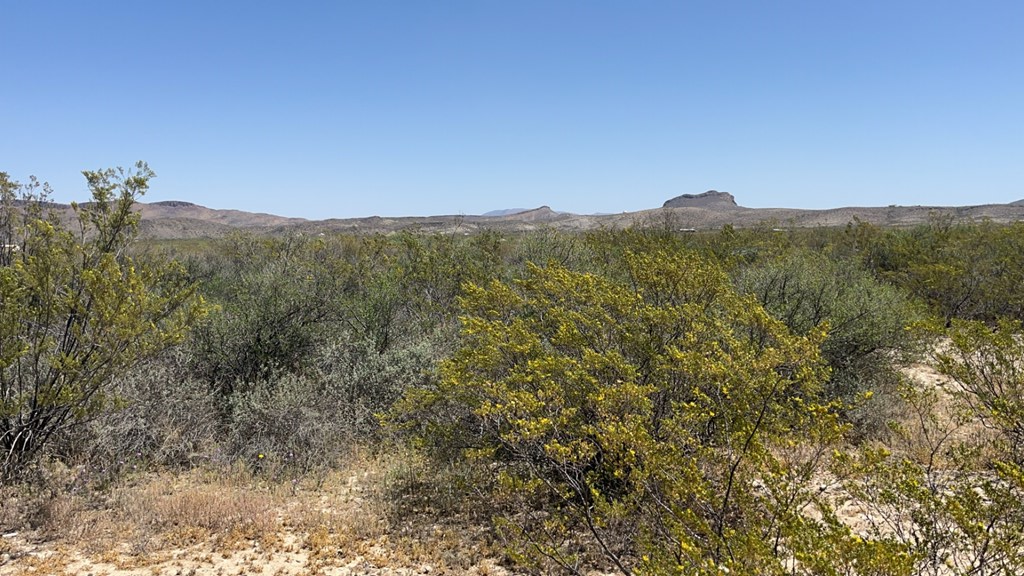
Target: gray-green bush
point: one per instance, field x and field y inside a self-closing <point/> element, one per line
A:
<point x="304" y="422"/>
<point x="869" y="327"/>
<point x="162" y="417"/>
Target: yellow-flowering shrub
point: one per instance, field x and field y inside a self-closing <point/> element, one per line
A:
<point x="75" y="309"/>
<point x="664" y="421"/>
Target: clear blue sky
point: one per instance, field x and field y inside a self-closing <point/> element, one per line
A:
<point x="341" y="109"/>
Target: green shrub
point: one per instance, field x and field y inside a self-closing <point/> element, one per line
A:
<point x="987" y="367"/>
<point x="868" y="324"/>
<point x="76" y="310"/>
<point x="967" y="271"/>
<point x="955" y="500"/>
<point x="275" y="301"/>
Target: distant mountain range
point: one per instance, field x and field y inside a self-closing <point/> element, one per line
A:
<point x="708" y="210"/>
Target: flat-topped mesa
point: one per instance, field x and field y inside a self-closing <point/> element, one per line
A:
<point x="174" y="204"/>
<point x="709" y="199"/>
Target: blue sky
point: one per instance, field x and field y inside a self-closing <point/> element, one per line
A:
<point x="343" y="109"/>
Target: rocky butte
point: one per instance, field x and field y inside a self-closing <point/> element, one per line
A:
<point x="709" y="199"/>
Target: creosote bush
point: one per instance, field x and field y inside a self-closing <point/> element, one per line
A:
<point x="954" y="504"/>
<point x="667" y="420"/>
<point x="966" y="271"/>
<point x="77" y="311"/>
<point x="987" y="365"/>
<point x="276" y="299"/>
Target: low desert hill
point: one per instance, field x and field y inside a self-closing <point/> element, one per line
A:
<point x="233" y="218"/>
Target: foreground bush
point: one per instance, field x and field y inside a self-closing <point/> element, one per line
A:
<point x="76" y="310"/>
<point x="666" y="420"/>
<point x="954" y="502"/>
<point x="988" y="367"/>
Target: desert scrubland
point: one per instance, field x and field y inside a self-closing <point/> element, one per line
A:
<point x="629" y="399"/>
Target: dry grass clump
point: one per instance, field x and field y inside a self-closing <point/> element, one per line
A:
<point x="374" y="515"/>
<point x="211" y="505"/>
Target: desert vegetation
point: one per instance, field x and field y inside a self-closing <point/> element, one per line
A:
<point x="629" y="401"/>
